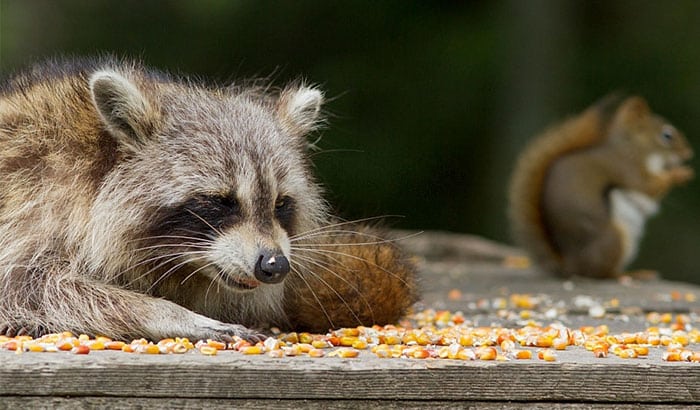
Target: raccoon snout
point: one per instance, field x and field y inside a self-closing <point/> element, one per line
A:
<point x="271" y="267"/>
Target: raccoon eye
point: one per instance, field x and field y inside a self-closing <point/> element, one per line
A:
<point x="227" y="203"/>
<point x="284" y="212"/>
<point x="281" y="202"/>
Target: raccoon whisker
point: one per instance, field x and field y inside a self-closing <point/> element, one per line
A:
<point x="173" y="269"/>
<point x="341" y="223"/>
<point x="327" y="266"/>
<point x="340" y="297"/>
<point x="333" y="233"/>
<point x="155" y="258"/>
<point x="332" y="151"/>
<point x="220" y="273"/>
<point x="205" y="237"/>
<point x="174" y="245"/>
<point x="217" y="231"/>
<point x="347" y="255"/>
<point x="195" y="272"/>
<point x="338" y="232"/>
<point x="170" y="257"/>
<point x="183" y="237"/>
<point x="318" y="301"/>
<point x="323" y="245"/>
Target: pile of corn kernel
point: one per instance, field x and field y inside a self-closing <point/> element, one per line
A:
<point x="427" y="334"/>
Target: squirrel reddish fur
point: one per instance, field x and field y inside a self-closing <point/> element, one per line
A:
<point x="581" y="192"/>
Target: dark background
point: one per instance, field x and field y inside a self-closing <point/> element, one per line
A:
<point x="430" y="101"/>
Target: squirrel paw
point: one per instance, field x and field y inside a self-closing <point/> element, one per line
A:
<point x="681" y="174"/>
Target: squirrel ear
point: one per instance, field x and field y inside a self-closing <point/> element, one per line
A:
<point x="123" y="109"/>
<point x="299" y="109"/>
<point x="633" y="108"/>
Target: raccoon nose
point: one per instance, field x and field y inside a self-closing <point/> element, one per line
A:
<point x="271" y="267"/>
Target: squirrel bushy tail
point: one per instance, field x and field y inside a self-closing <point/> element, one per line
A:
<point x="525" y="212"/>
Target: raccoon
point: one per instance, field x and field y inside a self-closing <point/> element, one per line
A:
<point x="135" y="203"/>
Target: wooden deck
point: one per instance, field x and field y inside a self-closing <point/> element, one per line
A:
<point x="476" y="268"/>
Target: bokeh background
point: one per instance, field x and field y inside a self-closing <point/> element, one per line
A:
<point x="430" y="101"/>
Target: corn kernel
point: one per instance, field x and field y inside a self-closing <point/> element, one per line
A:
<point x="208" y="350"/>
<point x="33" y="347"/>
<point x="547" y="355"/>
<point x="316" y="353"/>
<point x="305" y="337"/>
<point x="276" y="353"/>
<point x="257" y="349"/>
<point x="80" y="349"/>
<point x="345" y="352"/>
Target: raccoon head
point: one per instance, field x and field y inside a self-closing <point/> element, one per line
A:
<point x="210" y="182"/>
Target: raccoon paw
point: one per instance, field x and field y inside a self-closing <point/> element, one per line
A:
<point x="22" y="329"/>
<point x="226" y="332"/>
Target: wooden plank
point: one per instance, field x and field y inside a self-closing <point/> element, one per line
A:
<point x="93" y="402"/>
<point x="574" y="378"/>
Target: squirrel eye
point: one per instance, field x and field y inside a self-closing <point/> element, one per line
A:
<point x="667" y="134"/>
<point x="281" y="202"/>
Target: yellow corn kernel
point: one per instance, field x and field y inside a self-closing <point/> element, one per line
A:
<point x="560" y="344"/>
<point x="672" y="356"/>
<point x="320" y="344"/>
<point x="33" y="347"/>
<point x="345" y="352"/>
<point x="179" y="348"/>
<point x="115" y="345"/>
<point x="627" y="354"/>
<point x="216" y="344"/>
<point x="316" y="353"/>
<point x="420" y="354"/>
<point x="486" y="353"/>
<point x="291" y="337"/>
<point x="96" y="345"/>
<point x="256" y="349"/>
<point x="208" y="350"/>
<point x="305" y="337"/>
<point x="507" y="345"/>
<point x="359" y="344"/>
<point x="466" y="354"/>
<point x="347" y="340"/>
<point x="547" y="355"/>
<point x="641" y="350"/>
<point x="151" y="349"/>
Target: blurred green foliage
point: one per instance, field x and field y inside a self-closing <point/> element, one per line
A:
<point x="430" y="102"/>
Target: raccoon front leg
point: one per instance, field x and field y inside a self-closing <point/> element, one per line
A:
<point x="95" y="308"/>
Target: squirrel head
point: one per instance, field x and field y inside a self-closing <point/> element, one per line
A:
<point x="647" y="137"/>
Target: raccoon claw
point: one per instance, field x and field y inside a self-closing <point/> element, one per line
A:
<point x="11" y="330"/>
<point x="226" y="334"/>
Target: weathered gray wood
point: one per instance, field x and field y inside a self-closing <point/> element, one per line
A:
<point x="575" y="377"/>
<point x="96" y="402"/>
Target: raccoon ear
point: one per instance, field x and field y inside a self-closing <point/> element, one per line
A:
<point x="123" y="108"/>
<point x="299" y="109"/>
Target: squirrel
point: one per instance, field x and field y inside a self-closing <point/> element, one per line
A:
<point x="580" y="193"/>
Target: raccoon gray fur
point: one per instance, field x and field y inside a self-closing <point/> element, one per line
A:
<point x="138" y="204"/>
